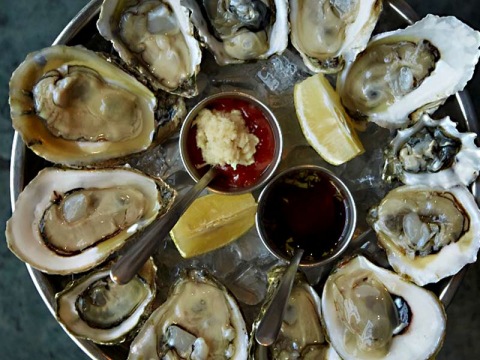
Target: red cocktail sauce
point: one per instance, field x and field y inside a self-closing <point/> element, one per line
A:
<point x="258" y="125"/>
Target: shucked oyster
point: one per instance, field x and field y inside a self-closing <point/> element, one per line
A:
<point x="154" y="37"/>
<point x="404" y="70"/>
<point x="73" y="107"/>
<point x="302" y="335"/>
<point x="200" y="320"/>
<point x="428" y="233"/>
<point x="372" y="313"/>
<point x="239" y="30"/>
<point x="68" y="221"/>
<point x="433" y="152"/>
<point x="95" y="308"/>
<point x="326" y="33"/>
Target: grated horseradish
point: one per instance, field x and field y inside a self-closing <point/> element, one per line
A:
<point x="224" y="138"/>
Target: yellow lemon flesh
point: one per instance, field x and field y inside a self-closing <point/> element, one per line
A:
<point x="325" y="124"/>
<point x="213" y="221"/>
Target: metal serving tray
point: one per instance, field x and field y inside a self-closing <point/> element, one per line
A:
<point x="82" y="30"/>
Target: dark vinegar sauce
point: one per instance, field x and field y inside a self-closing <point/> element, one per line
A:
<point x="258" y="125"/>
<point x="305" y="210"/>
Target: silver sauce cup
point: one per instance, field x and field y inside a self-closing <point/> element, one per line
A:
<point x="348" y="228"/>
<point x="188" y="125"/>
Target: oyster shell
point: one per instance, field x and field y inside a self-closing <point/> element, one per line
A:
<point x="240" y="30"/>
<point x="155" y="38"/>
<point x="372" y="313"/>
<point x="95" y="308"/>
<point x="73" y="107"/>
<point x="429" y="233"/>
<point x="68" y="221"/>
<point x="327" y="33"/>
<point x="433" y="152"/>
<point x="405" y="70"/>
<point x="200" y="320"/>
<point x="302" y="335"/>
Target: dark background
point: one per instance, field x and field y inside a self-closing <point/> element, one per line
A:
<point x="27" y="330"/>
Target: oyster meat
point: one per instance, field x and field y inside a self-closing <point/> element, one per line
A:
<point x="73" y="107"/>
<point x="69" y="221"/>
<point x="326" y="33"/>
<point x="429" y="233"/>
<point x="200" y="320"/>
<point x="240" y="30"/>
<point x="95" y="308"/>
<point x="403" y="71"/>
<point x="155" y="38"/>
<point x="433" y="152"/>
<point x="372" y="313"/>
<point x="302" y="335"/>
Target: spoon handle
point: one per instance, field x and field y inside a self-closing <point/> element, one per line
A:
<point x="271" y="322"/>
<point x="130" y="263"/>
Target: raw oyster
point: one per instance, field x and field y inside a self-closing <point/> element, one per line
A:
<point x="327" y="33"/>
<point x="95" y="308"/>
<point x="433" y="152"/>
<point x="302" y="335"/>
<point x="73" y="107"/>
<point x="155" y="38"/>
<point x="405" y="70"/>
<point x="200" y="320"/>
<point x="428" y="232"/>
<point x="242" y="29"/>
<point x="372" y="313"/>
<point x="68" y="221"/>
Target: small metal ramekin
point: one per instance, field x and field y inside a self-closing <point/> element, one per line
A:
<point x="277" y="134"/>
<point x="350" y="219"/>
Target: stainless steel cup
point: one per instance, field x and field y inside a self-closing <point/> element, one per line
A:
<point x="277" y="133"/>
<point x="350" y="216"/>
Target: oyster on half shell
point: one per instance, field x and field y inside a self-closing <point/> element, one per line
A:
<point x="69" y="221"/>
<point x="156" y="39"/>
<point x="329" y="32"/>
<point x="73" y="107"/>
<point x="429" y="233"/>
<point x="302" y="335"/>
<point x="200" y="320"/>
<point x="405" y="70"/>
<point x="372" y="313"/>
<point x="95" y="308"/>
<point x="239" y="30"/>
<point x="433" y="152"/>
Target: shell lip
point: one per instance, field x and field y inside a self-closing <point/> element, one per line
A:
<point x="464" y="164"/>
<point x="457" y="63"/>
<point x="450" y="258"/>
<point x="29" y="206"/>
<point x="146" y="274"/>
<point x="210" y="40"/>
<point x="33" y="129"/>
<point x="427" y="311"/>
<point x="107" y="25"/>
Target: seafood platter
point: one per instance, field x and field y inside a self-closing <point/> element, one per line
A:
<point x="363" y="89"/>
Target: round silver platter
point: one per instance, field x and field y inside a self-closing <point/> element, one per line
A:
<point x="272" y="82"/>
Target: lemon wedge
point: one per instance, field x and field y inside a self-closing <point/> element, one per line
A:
<point x="213" y="221"/>
<point x="325" y="124"/>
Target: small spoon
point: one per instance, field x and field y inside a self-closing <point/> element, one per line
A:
<point x="131" y="262"/>
<point x="271" y="322"/>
